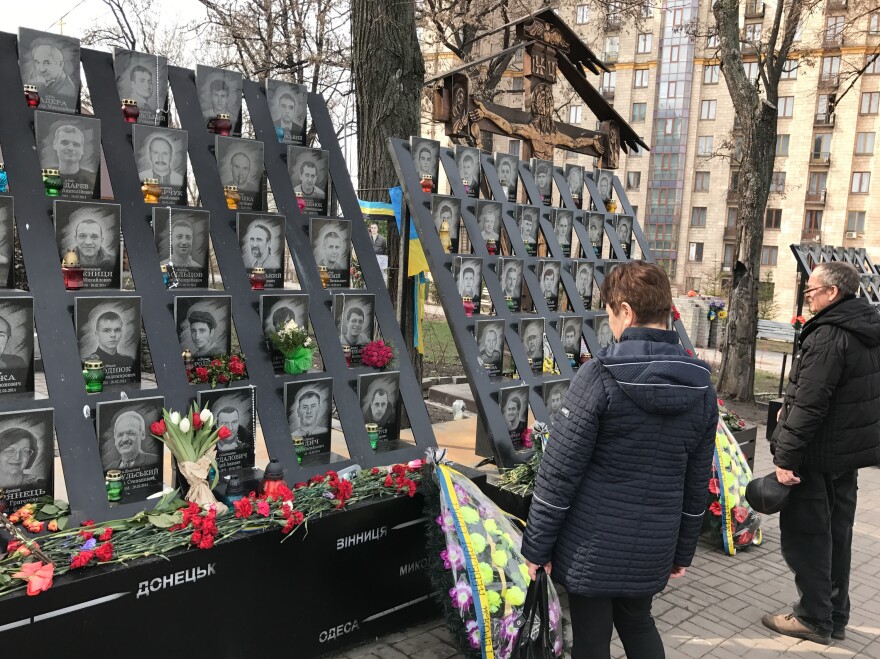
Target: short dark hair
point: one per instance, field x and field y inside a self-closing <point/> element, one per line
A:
<point x="14" y="435"/>
<point x="642" y="285"/>
<point x="110" y="316"/>
<point x="842" y="275"/>
<point x="140" y="69"/>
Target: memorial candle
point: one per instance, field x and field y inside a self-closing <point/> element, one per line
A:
<point x="115" y="485"/>
<point x="151" y="190"/>
<point x="32" y="96"/>
<point x="130" y="110"/>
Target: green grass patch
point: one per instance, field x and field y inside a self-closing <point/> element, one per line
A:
<point x="439" y="346"/>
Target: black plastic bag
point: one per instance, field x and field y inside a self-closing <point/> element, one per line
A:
<point x="534" y="640"/>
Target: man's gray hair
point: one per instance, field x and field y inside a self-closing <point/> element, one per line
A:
<point x="842" y="275"/>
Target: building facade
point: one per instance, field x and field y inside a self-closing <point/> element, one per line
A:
<point x="666" y="81"/>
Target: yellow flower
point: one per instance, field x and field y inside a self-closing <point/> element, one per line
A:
<point x="514" y="596"/>
<point x="499" y="558"/>
<point x="494" y="600"/>
<point x="524" y="571"/>
<point x="478" y="542"/>
<point x="487" y="573"/>
<point x="470" y="515"/>
<point x="722" y="314"/>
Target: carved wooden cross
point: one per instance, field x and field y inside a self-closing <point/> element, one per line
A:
<point x="466" y="116"/>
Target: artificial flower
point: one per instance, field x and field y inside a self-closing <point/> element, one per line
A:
<point x="500" y="558"/>
<point x="447" y="524"/>
<point x="514" y="596"/>
<point x="473" y="633"/>
<point x="524" y="572"/>
<point x="714" y="486"/>
<point x="453" y="557"/>
<point x="510" y="626"/>
<point x="478" y="542"/>
<point x="740" y="514"/>
<point x="461" y="595"/>
<point x="494" y="599"/>
<point x="487" y="573"/>
<point x="470" y="515"/>
<point x="715" y="508"/>
<point x="491" y="526"/>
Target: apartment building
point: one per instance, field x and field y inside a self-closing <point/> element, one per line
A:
<point x="665" y="80"/>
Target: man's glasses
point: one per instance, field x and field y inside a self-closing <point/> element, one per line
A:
<point x="815" y="288"/>
<point x="11" y="452"/>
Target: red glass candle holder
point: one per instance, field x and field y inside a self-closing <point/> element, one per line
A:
<point x="492" y="246"/>
<point x="189" y="364"/>
<point x="72" y="271"/>
<point x="258" y="278"/>
<point x="273" y="479"/>
<point x="468" y="304"/>
<point x="346" y="350"/>
<point x="220" y="125"/>
<point x="32" y="96"/>
<point x="427" y="184"/>
<point x="130" y="110"/>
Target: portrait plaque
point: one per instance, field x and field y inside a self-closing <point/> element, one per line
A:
<point x="469" y="279"/>
<point x="50" y="62"/>
<point x="109" y="329"/>
<point x="574" y="176"/>
<point x="379" y="395"/>
<point x="204" y="326"/>
<point x="309" y="171"/>
<point x="143" y="78"/>
<point x="507" y="167"/>
<point x="531" y="333"/>
<point x="182" y="236"/>
<point x="571" y="329"/>
<point x="489" y="220"/>
<point x="331" y="245"/>
<point x="603" y="330"/>
<point x="582" y="271"/>
<point x="309" y="405"/>
<point x="514" y="402"/>
<point x="91" y="230"/>
<point x="554" y="394"/>
<point x="72" y="145"/>
<point x="275" y="311"/>
<point x="467" y="158"/>
<point x="623" y="225"/>
<point x="604" y="179"/>
<point x="16" y="345"/>
<point x="596" y="232"/>
<point x="528" y="219"/>
<point x="563" y="223"/>
<point x="426" y="156"/>
<point x="287" y="105"/>
<point x="510" y="272"/>
<point x="542" y="170"/>
<point x="490" y="339"/>
<point x="548" y="276"/>
<point x="27" y="456"/>
<point x="261" y="238"/>
<point x="240" y="163"/>
<point x="355" y="320"/>
<point x="219" y="93"/>
<point x="160" y="154"/>
<point x="233" y="408"/>
<point x="447" y="209"/>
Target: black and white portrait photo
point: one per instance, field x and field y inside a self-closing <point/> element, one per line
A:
<point x="571" y="328"/>
<point x="447" y="209"/>
<point x="531" y="333"/>
<point x="125" y="443"/>
<point x="467" y="158"/>
<point x="50" y="62"/>
<point x="426" y="156"/>
<point x="160" y="153"/>
<point x="542" y="170"/>
<point x="514" y="402"/>
<point x="7" y="241"/>
<point x="27" y="456"/>
<point x="261" y="237"/>
<point x="109" y="329"/>
<point x="182" y="241"/>
<point x="469" y="278"/>
<point x="233" y="408"/>
<point x="608" y="267"/>
<point x="219" y="93"/>
<point x="553" y="394"/>
<point x="143" y="78"/>
<point x="276" y="311"/>
<point x="603" y="330"/>
<point x="309" y="171"/>
<point x="16" y="345"/>
<point x="624" y="228"/>
<point x="596" y="232"/>
<point x="287" y="105"/>
<point x="489" y="219"/>
<point x="548" y="275"/>
<point x="355" y="316"/>
<point x="563" y="223"/>
<point x="331" y="245"/>
<point x="204" y="326"/>
<point x="378" y="394"/>
<point x="510" y="273"/>
<point x="91" y="230"/>
<point x="72" y="145"/>
<point x="583" y="271"/>
<point x="527" y="219"/>
<point x="309" y="405"/>
<point x="240" y="163"/>
<point x="490" y="339"/>
<point x="507" y="167"/>
<point x="574" y="176"/>
<point x="604" y="181"/>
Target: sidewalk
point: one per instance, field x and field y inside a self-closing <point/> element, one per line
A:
<point x="715" y="611"/>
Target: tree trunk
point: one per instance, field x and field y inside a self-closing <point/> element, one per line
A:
<point x="389" y="74"/>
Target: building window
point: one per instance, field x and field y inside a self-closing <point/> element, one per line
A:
<point x="768" y="255"/>
<point x="864" y="144"/>
<point x="574" y="114"/>
<point x="731" y="218"/>
<point x="708" y="109"/>
<point x="641" y="79"/>
<point x="674" y="53"/>
<point x="753" y="32"/>
<point x="583" y="14"/>
<point x="692" y="283"/>
<point x="813" y="220"/>
<point x="695" y="252"/>
<point x="671" y="89"/>
<point x="633" y="180"/>
<point x="647" y="10"/>
<point x="823" y="103"/>
<point x="612" y="48"/>
<point x="644" y="43"/>
<point x="834" y="28"/>
<point x="727" y="259"/>
<point x="874" y="23"/>
<point x="789" y="70"/>
<point x="705" y="144"/>
<point x="855" y="221"/>
<point x="514" y="148"/>
<point x="698" y="216"/>
<point x="873" y="67"/>
<point x="821" y="147"/>
<point x="517" y="84"/>
<point x="777" y="183"/>
<point x="712" y="38"/>
<point x="830" y="68"/>
<point x="799" y="30"/>
<point x="782" y="144"/>
<point x="773" y="218"/>
<point x="818" y="183"/>
<point x="609" y="80"/>
<point x="752" y="71"/>
<point x="861" y="182"/>
<point x="786" y="106"/>
<point x="636" y="151"/>
<point x="701" y="181"/>
<point x="711" y="73"/>
<point x="639" y="110"/>
<point x="870" y="103"/>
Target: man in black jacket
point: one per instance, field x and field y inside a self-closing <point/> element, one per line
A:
<point x="829" y="427"/>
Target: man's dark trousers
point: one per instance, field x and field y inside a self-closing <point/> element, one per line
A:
<point x="816" y="531"/>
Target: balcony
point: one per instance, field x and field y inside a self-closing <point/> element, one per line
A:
<point x="835" y="5"/>
<point x="815" y="198"/>
<point x="729" y="233"/>
<point x="832" y="39"/>
<point x="822" y="159"/>
<point x="733" y="194"/>
<point x="823" y="119"/>
<point x="607" y="92"/>
<point x="610" y="56"/>
<point x="755" y="10"/>
<point x="613" y="23"/>
<point x="811" y="235"/>
<point x="829" y="81"/>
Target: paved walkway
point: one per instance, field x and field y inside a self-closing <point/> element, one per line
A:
<point x="715" y="611"/>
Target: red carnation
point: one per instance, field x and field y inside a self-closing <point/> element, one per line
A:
<point x="207" y="542"/>
<point x="223" y="378"/>
<point x="389" y="481"/>
<point x="196" y="421"/>
<point x="714" y="487"/>
<point x="316" y="479"/>
<point x="158" y="427"/>
<point x="263" y="509"/>
<point x="105" y="552"/>
<point x="82" y="559"/>
<point x="715" y="508"/>
<point x="224" y="433"/>
<point x="297" y="517"/>
<point x="106" y="535"/>
<point x="300" y="485"/>
<point x="234" y="359"/>
<point x="243" y="508"/>
<point x="374" y="470"/>
<point x="87" y="523"/>
<point x="196" y="537"/>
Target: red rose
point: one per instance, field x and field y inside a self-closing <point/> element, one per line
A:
<point x="196" y="421"/>
<point x="740" y="514"/>
<point x="223" y="378"/>
<point x="158" y="427"/>
<point x="105" y="552"/>
<point x="202" y="373"/>
<point x="713" y="486"/>
<point x="224" y="433"/>
<point x="243" y="508"/>
<point x="374" y="470"/>
<point x="237" y="368"/>
<point x="106" y="535"/>
<point x="715" y="508"/>
<point x="216" y="363"/>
